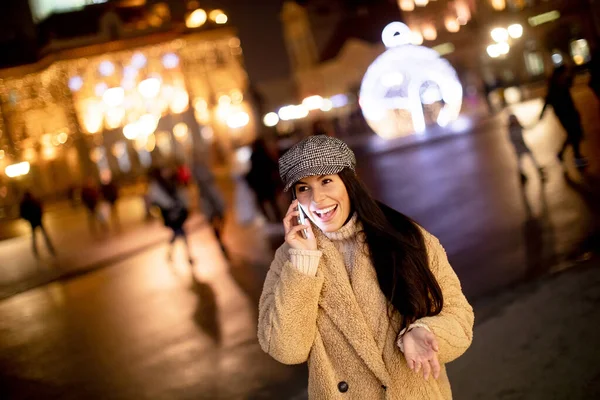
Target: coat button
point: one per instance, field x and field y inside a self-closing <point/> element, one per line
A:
<point x="384" y="387"/>
<point x="343" y="387"/>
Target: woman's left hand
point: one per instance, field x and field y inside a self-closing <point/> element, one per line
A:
<point x="420" y="351"/>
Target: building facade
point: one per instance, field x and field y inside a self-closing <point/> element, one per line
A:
<point x="143" y="88"/>
<point x="492" y="44"/>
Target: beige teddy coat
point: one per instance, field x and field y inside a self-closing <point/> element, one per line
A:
<point x="340" y="326"/>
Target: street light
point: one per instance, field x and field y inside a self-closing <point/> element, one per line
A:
<point x="271" y="119"/>
<point x="196" y="18"/>
<point x="313" y="102"/>
<point x="149" y="88"/>
<point x="499" y="34"/>
<point x="515" y="31"/>
<point x="452" y="24"/>
<point x="493" y="51"/>
<point x="114" y="97"/>
<point x="503" y="48"/>
<point x="238" y="120"/>
<point x="429" y="32"/>
<point x="407" y="5"/>
<point x="16" y="170"/>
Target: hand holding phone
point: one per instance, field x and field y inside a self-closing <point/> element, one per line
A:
<point x="301" y="217"/>
<point x="298" y="232"/>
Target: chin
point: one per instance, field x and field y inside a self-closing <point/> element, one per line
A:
<point x="329" y="227"/>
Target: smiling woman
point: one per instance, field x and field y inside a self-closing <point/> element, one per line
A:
<point x="367" y="295"/>
<point x="324" y="199"/>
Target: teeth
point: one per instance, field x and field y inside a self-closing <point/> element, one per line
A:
<point x="325" y="211"/>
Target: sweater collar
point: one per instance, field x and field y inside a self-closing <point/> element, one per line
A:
<point x="347" y="231"/>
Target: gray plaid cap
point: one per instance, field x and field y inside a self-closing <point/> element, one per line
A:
<point x="315" y="156"/>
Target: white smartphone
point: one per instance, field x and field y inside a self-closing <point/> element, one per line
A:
<point x="301" y="217"/>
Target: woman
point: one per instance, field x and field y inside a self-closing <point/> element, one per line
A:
<point x="368" y="298"/>
<point x="163" y="192"/>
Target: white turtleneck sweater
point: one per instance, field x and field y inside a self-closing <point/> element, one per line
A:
<point x="346" y="240"/>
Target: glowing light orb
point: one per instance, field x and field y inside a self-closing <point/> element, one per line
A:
<point x="75" y="83"/>
<point x="138" y="60"/>
<point x="271" y="119"/>
<point x="408" y="87"/>
<point x="106" y="68"/>
<point x="238" y="120"/>
<point x="170" y="60"/>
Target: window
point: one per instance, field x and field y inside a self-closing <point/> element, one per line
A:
<point x="534" y="63"/>
<point x="580" y="51"/>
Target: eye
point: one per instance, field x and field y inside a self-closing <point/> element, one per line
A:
<point x="301" y="189"/>
<point x="326" y="181"/>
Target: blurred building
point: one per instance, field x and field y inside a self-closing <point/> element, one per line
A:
<point x="493" y="45"/>
<point x="118" y="87"/>
<point x="503" y="43"/>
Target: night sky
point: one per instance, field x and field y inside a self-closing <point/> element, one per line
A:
<point x="261" y="35"/>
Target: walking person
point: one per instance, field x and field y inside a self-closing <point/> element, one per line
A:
<point x="559" y="97"/>
<point x="164" y="193"/>
<point x="31" y="210"/>
<point x="90" y="197"/>
<point x="263" y="178"/>
<point x="515" y="130"/>
<point x="211" y="199"/>
<point x="110" y="194"/>
<point x="368" y="297"/>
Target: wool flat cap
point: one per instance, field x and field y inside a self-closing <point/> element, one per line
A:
<point x="315" y="156"/>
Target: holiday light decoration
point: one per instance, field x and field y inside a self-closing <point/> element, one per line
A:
<point x="407" y="83"/>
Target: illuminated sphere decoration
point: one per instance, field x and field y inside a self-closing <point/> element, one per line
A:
<point x="408" y="87"/>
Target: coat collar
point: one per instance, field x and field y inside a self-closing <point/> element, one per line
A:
<point x="339" y="303"/>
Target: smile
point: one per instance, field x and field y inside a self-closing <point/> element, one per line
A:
<point x="326" y="214"/>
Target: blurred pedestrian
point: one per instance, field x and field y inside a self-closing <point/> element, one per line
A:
<point x="110" y="194"/>
<point x="365" y="295"/>
<point x="263" y="180"/>
<point x="559" y="97"/>
<point x="172" y="202"/>
<point x="72" y="195"/>
<point x="183" y="174"/>
<point x="211" y="199"/>
<point x="90" y="197"/>
<point x="515" y="130"/>
<point x="31" y="210"/>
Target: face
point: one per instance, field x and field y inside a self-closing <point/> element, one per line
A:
<point x="325" y="200"/>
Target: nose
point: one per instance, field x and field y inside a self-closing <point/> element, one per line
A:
<point x="317" y="195"/>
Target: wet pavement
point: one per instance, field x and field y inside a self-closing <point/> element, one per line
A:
<point x="147" y="329"/>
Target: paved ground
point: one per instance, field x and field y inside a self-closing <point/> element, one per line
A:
<point x="541" y="342"/>
<point x="144" y="328"/>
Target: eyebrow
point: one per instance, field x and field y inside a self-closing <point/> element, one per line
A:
<point x="304" y="183"/>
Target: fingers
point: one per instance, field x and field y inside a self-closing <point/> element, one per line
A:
<point x="309" y="231"/>
<point x="287" y="221"/>
<point x="434" y="343"/>
<point x="417" y="366"/>
<point x="293" y="232"/>
<point x="426" y="369"/>
<point x="435" y="367"/>
<point x="292" y="206"/>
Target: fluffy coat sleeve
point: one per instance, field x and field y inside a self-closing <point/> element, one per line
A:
<point x="453" y="326"/>
<point x="288" y="307"/>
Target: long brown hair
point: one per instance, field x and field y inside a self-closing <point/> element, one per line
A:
<point x="399" y="256"/>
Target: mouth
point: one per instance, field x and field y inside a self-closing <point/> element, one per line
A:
<point x="326" y="214"/>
